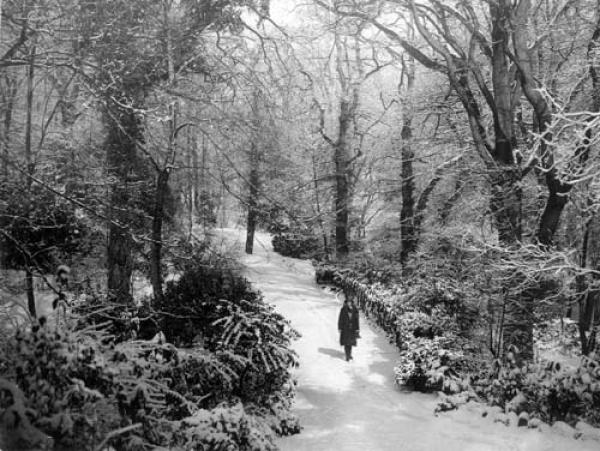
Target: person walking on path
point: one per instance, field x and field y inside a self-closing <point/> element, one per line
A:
<point x="348" y="327"/>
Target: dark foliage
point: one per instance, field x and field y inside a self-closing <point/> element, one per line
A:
<point x="218" y="309"/>
<point x="296" y="245"/>
<point x="58" y="382"/>
<point x="68" y="390"/>
<point x="193" y="303"/>
<point x="38" y="228"/>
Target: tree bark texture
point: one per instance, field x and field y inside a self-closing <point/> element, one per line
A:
<point x="7" y="106"/>
<point x="342" y="176"/>
<point x="517" y="329"/>
<point x="588" y="299"/>
<point x="505" y="203"/>
<point x="318" y="204"/>
<point x="30" y="171"/>
<point x="558" y="190"/>
<point x="192" y="161"/>
<point x="253" y="180"/>
<point x="341" y="159"/>
<point x="162" y="187"/>
<point x="162" y="178"/>
<point x="459" y="186"/>
<point x="407" y="212"/>
<point x="124" y="129"/>
<point x="557" y="199"/>
<point x="30" y="292"/>
<point x="502" y="79"/>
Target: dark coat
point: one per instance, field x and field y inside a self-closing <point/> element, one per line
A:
<point x="348" y="326"/>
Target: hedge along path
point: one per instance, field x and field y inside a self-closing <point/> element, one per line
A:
<point x="356" y="405"/>
<point x="378" y="308"/>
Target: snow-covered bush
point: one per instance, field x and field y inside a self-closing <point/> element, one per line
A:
<point x="557" y="337"/>
<point x="325" y="274"/>
<point x="52" y="384"/>
<point x="372" y="270"/>
<point x="260" y="338"/>
<point x="447" y="316"/>
<point x="219" y="309"/>
<point x="429" y="321"/>
<point x="549" y="390"/>
<point x="40" y="228"/>
<point x="194" y="302"/>
<point x="296" y="244"/>
<point x="73" y="388"/>
<point x="120" y="321"/>
<point x="433" y="363"/>
<point x="223" y="428"/>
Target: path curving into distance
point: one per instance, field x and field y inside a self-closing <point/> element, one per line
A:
<point x="356" y="405"/>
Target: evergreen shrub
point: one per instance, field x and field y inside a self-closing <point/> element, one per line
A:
<point x="69" y="390"/>
<point x="218" y="309"/>
<point x="297" y="244"/>
<point x="546" y="390"/>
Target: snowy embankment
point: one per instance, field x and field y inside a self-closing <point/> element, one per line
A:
<point x="356" y="405"/>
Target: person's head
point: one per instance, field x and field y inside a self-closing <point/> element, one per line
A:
<point x="348" y="302"/>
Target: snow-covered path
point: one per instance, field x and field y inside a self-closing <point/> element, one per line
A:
<point x="355" y="405"/>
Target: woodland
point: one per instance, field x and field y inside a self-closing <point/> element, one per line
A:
<point x="436" y="160"/>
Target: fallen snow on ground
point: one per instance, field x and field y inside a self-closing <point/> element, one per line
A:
<point x="356" y="405"/>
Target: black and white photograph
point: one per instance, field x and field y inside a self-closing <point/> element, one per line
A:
<point x="299" y="225"/>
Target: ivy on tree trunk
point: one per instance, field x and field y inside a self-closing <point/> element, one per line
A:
<point x="124" y="130"/>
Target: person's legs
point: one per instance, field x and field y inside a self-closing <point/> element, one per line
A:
<point x="348" y="350"/>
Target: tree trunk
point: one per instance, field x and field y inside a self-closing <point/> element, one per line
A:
<point x="459" y="185"/>
<point x="252" y="198"/>
<point x="503" y="172"/>
<point x="506" y="202"/>
<point x="505" y="176"/>
<point x="191" y="183"/>
<point x="407" y="212"/>
<point x="587" y="299"/>
<point x="418" y="210"/>
<point x="342" y="188"/>
<point x="162" y="178"/>
<point x="589" y="302"/>
<point x="120" y="261"/>
<point x="9" y="101"/>
<point x="162" y="185"/>
<point x="121" y="156"/>
<point x="555" y="204"/>
<point x="203" y="190"/>
<point x="502" y="80"/>
<point x="318" y="204"/>
<point x="517" y="329"/>
<point x="30" y="292"/>
<point x="30" y="171"/>
<point x="557" y="190"/>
